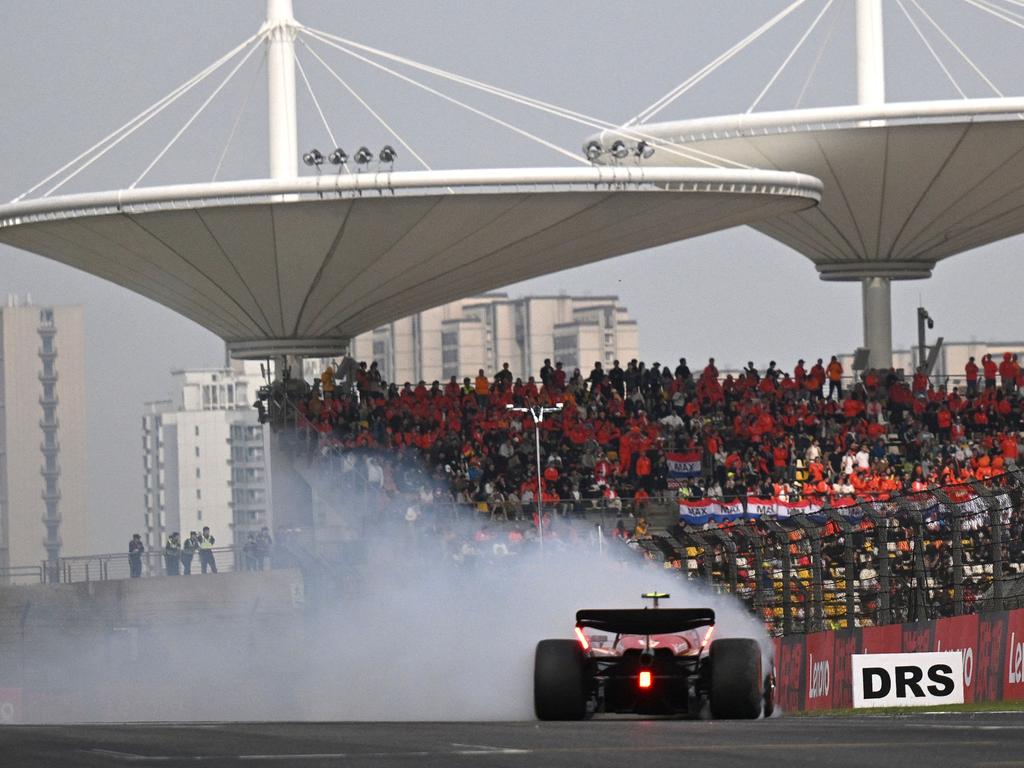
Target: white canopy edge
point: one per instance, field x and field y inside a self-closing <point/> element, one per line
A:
<point x="822" y="118"/>
<point x="726" y="180"/>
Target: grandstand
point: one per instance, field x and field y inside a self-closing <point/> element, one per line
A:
<point x="818" y="511"/>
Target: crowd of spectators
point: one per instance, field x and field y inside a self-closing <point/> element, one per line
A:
<point x="811" y="433"/>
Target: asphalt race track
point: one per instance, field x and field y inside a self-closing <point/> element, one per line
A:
<point x="992" y="740"/>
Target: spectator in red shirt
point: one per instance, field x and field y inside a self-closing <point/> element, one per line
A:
<point x="1008" y="373"/>
<point x="816" y="380"/>
<point x="989" y="369"/>
<point x="971" y="376"/>
<point x="710" y="371"/>
<point x="920" y="383"/>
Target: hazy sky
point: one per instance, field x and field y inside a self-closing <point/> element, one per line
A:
<point x="74" y="70"/>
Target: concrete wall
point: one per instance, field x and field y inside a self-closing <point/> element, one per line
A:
<point x="164" y="648"/>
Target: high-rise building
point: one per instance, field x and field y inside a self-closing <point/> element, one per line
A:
<point x="460" y="338"/>
<point x="43" y="485"/>
<point x="205" y="458"/>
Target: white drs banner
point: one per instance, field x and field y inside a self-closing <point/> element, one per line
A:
<point x="907" y="679"/>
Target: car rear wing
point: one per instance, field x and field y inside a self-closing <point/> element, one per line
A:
<point x="646" y="621"/>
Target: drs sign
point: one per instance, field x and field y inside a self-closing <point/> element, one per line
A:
<point x="907" y="679"/>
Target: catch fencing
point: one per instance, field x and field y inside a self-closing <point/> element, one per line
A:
<point x="949" y="551"/>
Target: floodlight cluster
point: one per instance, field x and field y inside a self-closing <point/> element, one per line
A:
<point x="314" y="158"/>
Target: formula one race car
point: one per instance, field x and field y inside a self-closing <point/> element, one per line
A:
<point x="660" y="661"/>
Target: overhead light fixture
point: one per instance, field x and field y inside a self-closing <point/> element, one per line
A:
<point x="593" y="151"/>
<point x="338" y="157"/>
<point x="388" y="154"/>
<point x="644" y="150"/>
<point x="619" y="150"/>
<point x="364" y="156"/>
<point x="313" y="158"/>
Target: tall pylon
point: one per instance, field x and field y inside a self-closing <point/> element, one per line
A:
<point x="284" y="151"/>
<point x="876" y="291"/>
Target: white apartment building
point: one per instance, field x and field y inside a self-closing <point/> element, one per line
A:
<point x="460" y="338"/>
<point x="43" y="484"/>
<point x="205" y="457"/>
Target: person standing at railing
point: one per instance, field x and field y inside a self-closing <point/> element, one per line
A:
<point x="172" y="554"/>
<point x="135" y="550"/>
<point x="206" y="559"/>
<point x="989" y="369"/>
<point x="264" y="546"/>
<point x="188" y="551"/>
<point x="835" y="379"/>
<point x="971" y="377"/>
<point x="249" y="553"/>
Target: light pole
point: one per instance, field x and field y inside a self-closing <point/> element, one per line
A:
<point x="538" y="412"/>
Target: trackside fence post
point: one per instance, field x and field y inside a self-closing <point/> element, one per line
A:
<point x="953" y="514"/>
<point x="849" y="567"/>
<point x="995" y="522"/>
<point x="781" y="539"/>
<point x="815" y="614"/>
<point x="729" y="552"/>
<point x="922" y="603"/>
<point x="884" y="567"/>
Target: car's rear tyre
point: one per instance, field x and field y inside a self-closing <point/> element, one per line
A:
<point x="736" y="682"/>
<point x="559" y="681"/>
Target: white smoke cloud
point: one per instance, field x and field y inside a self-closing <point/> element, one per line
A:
<point x="411" y="636"/>
<point x="425" y="641"/>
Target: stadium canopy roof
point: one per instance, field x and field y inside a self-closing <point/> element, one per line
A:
<point x="906" y="184"/>
<point x="302" y="265"/>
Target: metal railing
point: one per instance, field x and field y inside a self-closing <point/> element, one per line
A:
<point x="118" y="565"/>
<point x="21" y="574"/>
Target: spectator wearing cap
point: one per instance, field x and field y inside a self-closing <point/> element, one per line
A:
<point x="188" y="550"/>
<point x="172" y="554"/>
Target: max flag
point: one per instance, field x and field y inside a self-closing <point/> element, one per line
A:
<point x="682" y="466"/>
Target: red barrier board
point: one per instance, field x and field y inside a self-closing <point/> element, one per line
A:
<point x="887" y="639"/>
<point x="789" y="671"/>
<point x="960" y="633"/>
<point x="990" y="667"/>
<point x="819" y="665"/>
<point x="814" y="671"/>
<point x="1013" y="658"/>
<point x="848" y="642"/>
<point x="918" y="637"/>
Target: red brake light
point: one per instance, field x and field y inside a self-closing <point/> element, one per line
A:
<point x="645" y="678"/>
<point x="582" y="638"/>
<point x="707" y="637"/>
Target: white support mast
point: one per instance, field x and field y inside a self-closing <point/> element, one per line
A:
<point x="284" y="151"/>
<point x="876" y="291"/>
<point x="283" y="134"/>
<point x="870" y="53"/>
